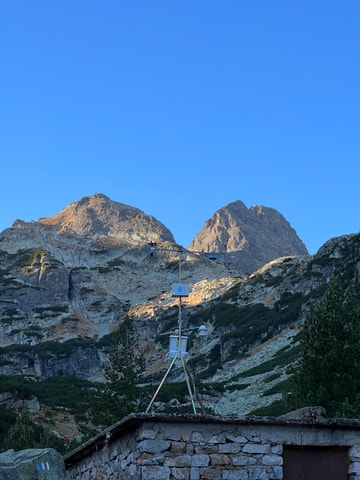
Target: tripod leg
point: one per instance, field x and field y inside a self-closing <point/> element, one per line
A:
<point x="161" y="384"/>
<point x="195" y="394"/>
<point x="187" y="377"/>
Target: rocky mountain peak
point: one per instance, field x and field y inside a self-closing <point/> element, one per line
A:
<point x="92" y="220"/>
<point x="97" y="215"/>
<point x="60" y="303"/>
<point x="253" y="236"/>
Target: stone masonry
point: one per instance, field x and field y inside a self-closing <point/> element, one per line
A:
<point x="165" y="448"/>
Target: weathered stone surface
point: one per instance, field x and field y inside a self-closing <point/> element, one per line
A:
<point x="180" y="473"/>
<point x="155" y="473"/>
<point x="14" y="401"/>
<point x="200" y="460"/>
<point x="210" y="473"/>
<point x="229" y="447"/>
<point x="194" y="473"/>
<point x="355" y="468"/>
<point x="260" y="474"/>
<point x="278" y="472"/>
<point x="272" y="460"/>
<point x="253" y="236"/>
<point x="306" y="413"/>
<point x="235" y="475"/>
<point x="243" y="460"/>
<point x="354" y="452"/>
<point x="197" y="437"/>
<point x="237" y="439"/>
<point x="178" y="460"/>
<point x="28" y="464"/>
<point x="178" y="447"/>
<point x="220" y="459"/>
<point x="277" y="449"/>
<point x="148" y="433"/>
<point x="154" y="446"/>
<point x="254" y="448"/>
<point x="206" y="449"/>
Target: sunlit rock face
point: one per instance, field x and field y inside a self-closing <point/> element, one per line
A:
<point x="247" y="238"/>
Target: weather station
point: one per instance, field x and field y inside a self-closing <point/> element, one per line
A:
<point x="178" y="342"/>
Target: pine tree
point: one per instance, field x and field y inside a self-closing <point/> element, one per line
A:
<point x="21" y="435"/>
<point x="121" y="394"/>
<point x="328" y="371"/>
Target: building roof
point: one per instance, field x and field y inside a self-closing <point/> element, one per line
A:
<point x="314" y="417"/>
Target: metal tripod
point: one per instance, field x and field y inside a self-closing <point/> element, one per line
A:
<point x="180" y="352"/>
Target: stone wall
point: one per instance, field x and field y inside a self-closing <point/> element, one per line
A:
<point x="163" y="449"/>
<point x="354" y="462"/>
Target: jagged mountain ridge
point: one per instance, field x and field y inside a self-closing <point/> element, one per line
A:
<point x="94" y="255"/>
<point x="74" y="288"/>
<point x="253" y="320"/>
<point x="250" y="237"/>
<point x="61" y="273"/>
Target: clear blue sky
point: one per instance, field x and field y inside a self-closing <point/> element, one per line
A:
<point x="181" y="107"/>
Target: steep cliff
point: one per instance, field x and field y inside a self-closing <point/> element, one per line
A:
<point x="248" y="237"/>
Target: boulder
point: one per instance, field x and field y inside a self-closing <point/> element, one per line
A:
<point x="39" y="464"/>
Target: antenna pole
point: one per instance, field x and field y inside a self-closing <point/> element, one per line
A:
<point x="179" y="290"/>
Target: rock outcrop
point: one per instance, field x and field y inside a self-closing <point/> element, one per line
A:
<point x="85" y="229"/>
<point x="248" y="237"/>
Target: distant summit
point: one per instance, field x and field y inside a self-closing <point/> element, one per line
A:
<point x="251" y="236"/>
<point x="94" y="220"/>
<point x="97" y="215"/>
<point x="244" y="238"/>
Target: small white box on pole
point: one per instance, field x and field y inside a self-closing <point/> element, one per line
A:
<point x="174" y="346"/>
<point x="180" y="290"/>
